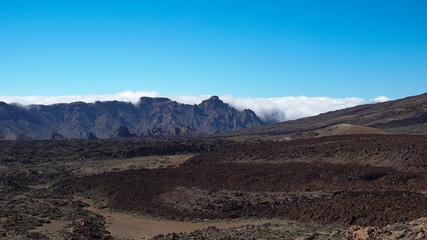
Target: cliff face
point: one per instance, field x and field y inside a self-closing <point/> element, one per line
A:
<point x="77" y="120"/>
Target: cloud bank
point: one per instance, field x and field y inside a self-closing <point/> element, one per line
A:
<point x="268" y="109"/>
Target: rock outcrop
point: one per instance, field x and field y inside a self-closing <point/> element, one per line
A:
<point x="123" y="132"/>
<point x="56" y="136"/>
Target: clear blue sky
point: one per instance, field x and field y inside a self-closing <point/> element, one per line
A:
<point x="243" y="48"/>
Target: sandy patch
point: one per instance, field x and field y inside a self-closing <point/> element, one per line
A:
<point x="52" y="227"/>
<point x="125" y="226"/>
<point x="40" y="186"/>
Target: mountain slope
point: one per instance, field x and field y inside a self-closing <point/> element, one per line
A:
<point x="76" y="120"/>
<point x="341" y="129"/>
<point x="407" y="115"/>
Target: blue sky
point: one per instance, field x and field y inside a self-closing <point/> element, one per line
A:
<point x="263" y="49"/>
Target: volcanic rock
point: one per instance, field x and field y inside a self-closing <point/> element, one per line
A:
<point x="56" y="136"/>
<point x="123" y="132"/>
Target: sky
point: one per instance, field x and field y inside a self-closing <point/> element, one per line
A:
<point x="242" y="49"/>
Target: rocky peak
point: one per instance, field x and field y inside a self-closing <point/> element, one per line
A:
<point x="146" y="101"/>
<point x="153" y="101"/>
<point x="213" y="103"/>
<point x="162" y="100"/>
<point x="214" y="98"/>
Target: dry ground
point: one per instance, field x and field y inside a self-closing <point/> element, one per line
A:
<point x="374" y="181"/>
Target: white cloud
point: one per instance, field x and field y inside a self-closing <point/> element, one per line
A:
<point x="289" y="108"/>
<point x="190" y="99"/>
<point x="126" y="96"/>
<point x="382" y="99"/>
<point x="270" y="109"/>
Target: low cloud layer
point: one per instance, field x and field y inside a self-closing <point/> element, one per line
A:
<point x="289" y="108"/>
<point x="268" y="109"/>
<point x="127" y="96"/>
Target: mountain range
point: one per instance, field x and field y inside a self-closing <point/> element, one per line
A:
<point x="105" y="119"/>
<point x="162" y="116"/>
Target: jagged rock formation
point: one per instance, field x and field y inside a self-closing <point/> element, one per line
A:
<point x="56" y="136"/>
<point x="76" y="120"/>
<point x="123" y="132"/>
<point x="185" y="131"/>
<point x="156" y="131"/>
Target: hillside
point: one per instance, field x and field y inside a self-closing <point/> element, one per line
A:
<point x="340" y="129"/>
<point x="78" y="119"/>
<point x="406" y="116"/>
<point x="402" y="152"/>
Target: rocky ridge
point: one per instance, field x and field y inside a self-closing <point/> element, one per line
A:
<point x="149" y="117"/>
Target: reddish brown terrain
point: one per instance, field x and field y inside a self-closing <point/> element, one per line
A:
<point x="325" y="180"/>
<point x="402" y="152"/>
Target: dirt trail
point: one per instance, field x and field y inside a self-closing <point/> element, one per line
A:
<point x="125" y="226"/>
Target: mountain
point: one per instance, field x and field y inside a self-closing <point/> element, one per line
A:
<point x="406" y="116"/>
<point x="105" y="119"/>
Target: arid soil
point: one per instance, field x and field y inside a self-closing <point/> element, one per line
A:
<point x="273" y="230"/>
<point x="130" y="226"/>
<point x="30" y="210"/>
<point x="78" y="150"/>
<point x="402" y="152"/>
<point x="293" y="230"/>
<point x="341" y="129"/>
<point x="331" y="187"/>
<point x="324" y="193"/>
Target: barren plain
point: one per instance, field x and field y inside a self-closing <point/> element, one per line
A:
<point x="331" y="187"/>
